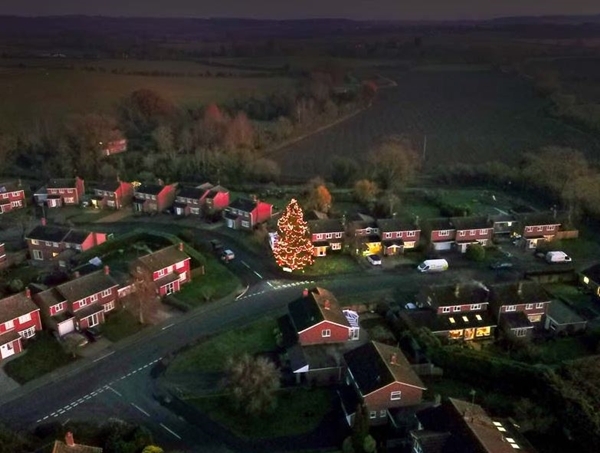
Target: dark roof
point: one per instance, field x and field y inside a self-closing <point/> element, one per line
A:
<point x="442" y="323"/>
<point x="205" y="186"/>
<point x="503" y="218"/>
<point x="308" y="311"/>
<point x="523" y="292"/>
<point x="215" y="190"/>
<point x="191" y="192"/>
<point x="386" y="225"/>
<point x="9" y="187"/>
<point x="87" y="285"/>
<point x="48" y="298"/>
<point x="442" y="223"/>
<point x="243" y="204"/>
<point x="325" y="226"/>
<point x="109" y="186"/>
<point x="12" y="307"/>
<point x="540" y="218"/>
<point x="563" y="315"/>
<point x="49" y="233"/>
<point x="516" y="320"/>
<point x="470" y="223"/>
<point x="434" y="441"/>
<point x="151" y="189"/>
<point x="61" y="447"/>
<point x="62" y="183"/>
<point x="372" y="368"/>
<point x="76" y="236"/>
<point x="358" y="221"/>
<point x="593" y="273"/>
<point x="163" y="258"/>
<point x="315" y="215"/>
<point x="7" y="337"/>
<point x="450" y="295"/>
<point x="289" y="337"/>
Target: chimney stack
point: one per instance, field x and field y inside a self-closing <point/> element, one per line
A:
<point x="394" y="359"/>
<point x="69" y="439"/>
<point x="181" y="246"/>
<point x="305" y="292"/>
<point x="327" y="304"/>
<point x="44" y="221"/>
<point x="27" y="293"/>
<point x="457" y="290"/>
<point x="106" y="270"/>
<point x="76" y="274"/>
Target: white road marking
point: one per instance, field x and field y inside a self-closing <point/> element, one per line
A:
<point x="38" y="420"/>
<point x="104" y="356"/>
<point x="45" y="417"/>
<point x="146" y="365"/>
<point x="245" y="264"/>
<point x="140" y="409"/>
<point x="94" y="393"/>
<point x="166" y="327"/>
<point x="140" y="368"/>
<point x="66" y="421"/>
<point x="257" y="274"/>
<point x="171" y="431"/>
<point x="113" y="390"/>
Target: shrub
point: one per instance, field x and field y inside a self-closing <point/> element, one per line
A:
<point x="475" y="252"/>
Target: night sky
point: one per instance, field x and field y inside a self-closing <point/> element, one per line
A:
<point x="294" y="9"/>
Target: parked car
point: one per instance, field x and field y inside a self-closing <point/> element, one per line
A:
<point x="558" y="257"/>
<point x="438" y="265"/>
<point x="216" y="245"/>
<point x="93" y="334"/>
<point x="76" y="339"/>
<point x="501" y="265"/>
<point x="227" y="255"/>
<point x="375" y="260"/>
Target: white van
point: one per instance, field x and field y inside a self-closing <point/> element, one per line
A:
<point x="433" y="266"/>
<point x="558" y="257"/>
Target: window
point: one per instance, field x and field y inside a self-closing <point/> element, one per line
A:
<point x="478" y="318"/>
<point x="153" y="197"/>
<point x="329" y="236"/>
<point x="16" y="204"/>
<point x="336" y="246"/>
<point x="25" y="318"/>
<point x="482" y="231"/>
<point x="540" y="229"/>
<point x="93" y="297"/>
<point x="319" y="236"/>
<point x="106" y="293"/>
<point x="520" y="332"/>
<point x="476" y="307"/>
<point x="462" y="233"/>
<point x="245" y="224"/>
<point x="510" y="308"/>
<point x="338" y="235"/>
<point x="109" y="306"/>
<point x="446" y="309"/>
<point x="160" y="273"/>
<point x="83" y="303"/>
<point x="325" y="333"/>
<point x="528" y="229"/>
<point x="529" y="307"/>
<point x="452" y="320"/>
<point x="4" y="195"/>
<point x="8" y="325"/>
<point x="551" y="227"/>
<point x="444" y="233"/>
<point x="170" y="269"/>
<point x="382" y="413"/>
<point x="70" y="200"/>
<point x="465" y="319"/>
<point x="387" y="235"/>
<point x="35" y="242"/>
<point x="55" y="244"/>
<point x="373" y="414"/>
<point x="57" y="308"/>
<point x="27" y="333"/>
<point x="48" y="244"/>
<point x="61" y="191"/>
<point x="456" y="308"/>
<point x="396" y="395"/>
<point x="37" y="255"/>
<point x="180" y="265"/>
<point x="411" y="234"/>
<point x="539" y="305"/>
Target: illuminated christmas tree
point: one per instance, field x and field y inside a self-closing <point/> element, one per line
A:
<point x="293" y="249"/>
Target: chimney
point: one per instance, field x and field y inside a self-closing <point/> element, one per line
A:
<point x="457" y="290"/>
<point x="305" y="292"/>
<point x="69" y="439"/>
<point x="327" y="304"/>
<point x="520" y="288"/>
<point x="76" y="274"/>
<point x="181" y="246"/>
<point x="44" y="221"/>
<point x="394" y="359"/>
<point x="27" y="293"/>
<point x="106" y="270"/>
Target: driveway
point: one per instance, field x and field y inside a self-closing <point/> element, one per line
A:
<point x="7" y="385"/>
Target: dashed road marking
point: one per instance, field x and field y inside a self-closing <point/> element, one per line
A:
<point x="171" y="431"/>
<point x="114" y="391"/>
<point x="140" y="409"/>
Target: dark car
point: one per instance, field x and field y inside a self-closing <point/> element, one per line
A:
<point x="216" y="245"/>
<point x="501" y="265"/>
<point x="93" y="334"/>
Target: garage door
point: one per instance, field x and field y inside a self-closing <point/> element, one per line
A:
<point x="66" y="327"/>
<point x="442" y="246"/>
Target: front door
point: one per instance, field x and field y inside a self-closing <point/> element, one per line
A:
<point x="6" y="350"/>
<point x="93" y="320"/>
<point x="170" y="288"/>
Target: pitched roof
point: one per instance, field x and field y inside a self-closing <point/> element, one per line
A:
<point x="109" y="186"/>
<point x="434" y="441"/>
<point x="442" y="223"/>
<point x="48" y="298"/>
<point x="470" y="223"/>
<point x="563" y="315"/>
<point x="325" y="226"/>
<point x="87" y="285"/>
<point x="539" y="218"/>
<point x="61" y="447"/>
<point x="151" y="189"/>
<point x="76" y="236"/>
<point x="216" y="190"/>
<point x="449" y="295"/>
<point x="163" y="258"/>
<point x="9" y="186"/>
<point x="593" y="273"/>
<point x="395" y="225"/>
<point x="12" y="307"/>
<point x="513" y="293"/>
<point x="308" y="311"/>
<point x="243" y="204"/>
<point x="444" y="323"/>
<point x="516" y="320"/>
<point x="205" y="186"/>
<point x="372" y="366"/>
<point x="48" y="233"/>
<point x="191" y="192"/>
<point x="66" y="183"/>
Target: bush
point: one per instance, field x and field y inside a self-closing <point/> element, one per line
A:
<point x="475" y="252"/>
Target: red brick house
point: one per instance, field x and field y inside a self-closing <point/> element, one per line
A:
<point x="114" y="147"/>
<point x="536" y="228"/>
<point x="216" y="200"/>
<point x="153" y="198"/>
<point x="326" y="234"/>
<point x="12" y="197"/>
<point x="397" y="236"/>
<point x="189" y="200"/>
<point x="382" y="379"/>
<point x="519" y="307"/>
<point x="454" y="312"/>
<point x="472" y="230"/>
<point x="441" y="234"/>
<point x="64" y="192"/>
<point x="363" y="234"/>
<point x="3" y="257"/>
<point x="318" y="319"/>
<point x="245" y="214"/>
<point x="69" y="446"/>
<point x="79" y="303"/>
<point x="48" y="242"/>
<point x="170" y="268"/>
<point x="19" y="318"/>
<point x="113" y="195"/>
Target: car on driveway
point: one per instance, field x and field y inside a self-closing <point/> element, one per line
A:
<point x="93" y="334"/>
<point x="375" y="260"/>
<point x="227" y="256"/>
<point x="216" y="245"/>
<point x="497" y="265"/>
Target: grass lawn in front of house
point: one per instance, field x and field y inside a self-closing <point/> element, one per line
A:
<point x="210" y="355"/>
<point x="89" y="215"/>
<point x="367" y="297"/>
<point x="120" y="324"/>
<point x="560" y="349"/>
<point x="217" y="282"/>
<point x="333" y="263"/>
<point x="44" y="354"/>
<point x="299" y="411"/>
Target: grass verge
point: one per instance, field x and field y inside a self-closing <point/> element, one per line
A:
<point x="120" y="325"/>
<point x="217" y="282"/>
<point x="332" y="264"/>
<point x="44" y="354"/>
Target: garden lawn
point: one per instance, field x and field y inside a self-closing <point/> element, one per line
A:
<point x="335" y="263"/>
<point x="217" y="282"/>
<point x="44" y="354"/>
<point x="299" y="411"/>
<point x="120" y="325"/>
<point x="211" y="355"/>
<point x="561" y="349"/>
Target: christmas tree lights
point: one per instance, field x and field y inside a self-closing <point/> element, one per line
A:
<point x="293" y="250"/>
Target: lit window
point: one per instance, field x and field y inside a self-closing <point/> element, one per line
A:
<point x="452" y="321"/>
<point x="465" y="319"/>
<point x="478" y="317"/>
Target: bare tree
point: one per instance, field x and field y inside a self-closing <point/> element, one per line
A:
<point x="366" y="191"/>
<point x="394" y="162"/>
<point x="143" y="301"/>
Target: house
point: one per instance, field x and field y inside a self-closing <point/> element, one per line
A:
<point x="245" y="214"/>
<point x="441" y="234"/>
<point x="153" y="198"/>
<point x="69" y="446"/>
<point x="3" y="257"/>
<point x="472" y="230"/>
<point x="455" y="312"/>
<point x="503" y="225"/>
<point x="78" y="304"/>
<point x="113" y="194"/>
<point x="114" y="147"/>
<point x="382" y="379"/>
<point x="363" y="234"/>
<point x="19" y="319"/>
<point x="562" y="320"/>
<point x="326" y="234"/>
<point x="170" y="268"/>
<point x="64" y="192"/>
<point x="459" y="426"/>
<point x="49" y="242"/>
<point x="12" y="196"/>
<point x="216" y="200"/>
<point x="536" y="228"/>
<point x="590" y="279"/>
<point x="519" y="307"/>
<point x="397" y="236"/>
<point x="189" y="200"/>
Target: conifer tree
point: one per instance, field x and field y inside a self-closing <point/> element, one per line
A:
<point x="293" y="249"/>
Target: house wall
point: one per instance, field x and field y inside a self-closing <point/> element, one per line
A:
<point x="166" y="197"/>
<point x="464" y="308"/>
<point x="531" y="312"/>
<point x="47" y="251"/>
<point x="381" y="399"/>
<point x="8" y="198"/>
<point x="87" y="301"/>
<point x="339" y="334"/>
<point x="162" y="291"/>
<point x="17" y="347"/>
<point x="85" y="322"/>
<point x="436" y="235"/>
<point x="220" y="201"/>
<point x="35" y="321"/>
<point x="540" y="230"/>
<point x="80" y="189"/>
<point x="180" y="267"/>
<point x="474" y="234"/>
<point x="263" y="212"/>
